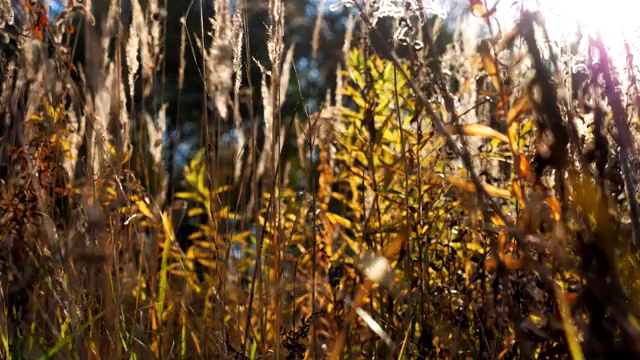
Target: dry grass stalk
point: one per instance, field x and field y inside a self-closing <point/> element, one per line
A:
<point x="183" y="47"/>
<point x="75" y="135"/>
<point x="273" y="136"/>
<point x="267" y="152"/>
<point x="146" y="50"/>
<point x="6" y="13"/>
<point x="121" y="115"/>
<point x="315" y="39"/>
<point x="219" y="58"/>
<point x="109" y="28"/>
<point x="133" y="45"/>
<point x="156" y="132"/>
<point x="7" y="87"/>
<point x="241" y="139"/>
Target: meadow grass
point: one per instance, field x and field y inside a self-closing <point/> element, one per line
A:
<point x="473" y="200"/>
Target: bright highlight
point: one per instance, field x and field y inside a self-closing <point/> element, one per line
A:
<point x="615" y="20"/>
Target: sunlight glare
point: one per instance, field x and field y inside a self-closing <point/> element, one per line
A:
<point x="616" y="20"/>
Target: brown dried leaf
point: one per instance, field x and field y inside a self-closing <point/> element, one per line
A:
<point x="467" y="185"/>
<point x="392" y="249"/>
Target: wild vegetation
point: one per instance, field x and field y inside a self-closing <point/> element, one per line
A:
<point x="449" y="199"/>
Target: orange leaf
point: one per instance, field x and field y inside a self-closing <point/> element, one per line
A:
<point x="461" y="183"/>
<point x="497" y="220"/>
<point x="490" y="65"/>
<point x="392" y="249"/>
<point x="519" y="107"/>
<point x="555" y="207"/>
<point x="523" y="165"/>
<point x="571" y="297"/>
<point x="479" y="8"/>
<point x="510" y="263"/>
<point x="517" y="192"/>
<point x="491" y="263"/>
<point x="479" y="130"/>
<point x="502" y="242"/>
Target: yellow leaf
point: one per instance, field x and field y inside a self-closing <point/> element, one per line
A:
<point x="207" y="245"/>
<point x="222" y="189"/>
<point x="180" y="273"/>
<point x="226" y="214"/>
<point x="110" y="147"/>
<point x="196" y="235"/>
<point x="111" y="191"/>
<point x="201" y="183"/>
<point x="497" y="220"/>
<point x="162" y="285"/>
<point x="479" y="130"/>
<point x="195" y="211"/>
<point x="570" y="333"/>
<point x="197" y="159"/>
<point x="208" y="263"/>
<point x="186" y="195"/>
<point x="475" y="247"/>
<point x="36" y="118"/>
<point x="337" y="219"/>
<point x="241" y="236"/>
<point x="521" y="105"/>
<point x="144" y="209"/>
<point x="127" y="155"/>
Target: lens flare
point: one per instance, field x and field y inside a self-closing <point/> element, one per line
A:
<point x="615" y="21"/>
